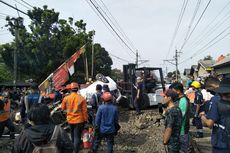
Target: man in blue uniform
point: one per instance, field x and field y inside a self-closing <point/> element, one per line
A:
<point x="106" y="123"/>
<point x="197" y="108"/>
<point x="218" y="118"/>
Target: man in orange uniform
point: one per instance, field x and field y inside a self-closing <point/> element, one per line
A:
<point x="76" y="113"/>
<point x="5" y="115"/>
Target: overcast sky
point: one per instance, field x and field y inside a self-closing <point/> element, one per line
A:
<point x="149" y="25"/>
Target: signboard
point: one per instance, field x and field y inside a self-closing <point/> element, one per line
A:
<point x="60" y="77"/>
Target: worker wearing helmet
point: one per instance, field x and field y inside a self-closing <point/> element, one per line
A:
<point x="5" y="115"/>
<point x="106" y="123"/>
<point x="76" y="113"/>
<point x="197" y="108"/>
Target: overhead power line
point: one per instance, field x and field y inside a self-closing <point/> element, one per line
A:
<point x="107" y="26"/>
<point x="197" y="22"/>
<point x="208" y="31"/>
<point x="191" y="23"/>
<point x="14" y="7"/>
<point x="183" y="8"/>
<point x="96" y="7"/>
<point x="27" y="3"/>
<point x="119" y="58"/>
<point x="116" y="24"/>
<point x="22" y="4"/>
<point x="209" y="44"/>
<point x="211" y="31"/>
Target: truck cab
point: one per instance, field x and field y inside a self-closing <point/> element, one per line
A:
<point x="152" y="84"/>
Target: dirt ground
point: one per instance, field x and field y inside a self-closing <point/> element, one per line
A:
<point x="139" y="133"/>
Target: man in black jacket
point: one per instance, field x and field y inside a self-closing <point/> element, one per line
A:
<point x="40" y="132"/>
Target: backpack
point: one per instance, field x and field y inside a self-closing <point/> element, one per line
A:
<point x="49" y="147"/>
<point x="223" y="110"/>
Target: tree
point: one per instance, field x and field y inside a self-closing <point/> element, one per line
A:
<point x="116" y="74"/>
<point x="5" y="75"/>
<point x="208" y="58"/>
<point x="48" y="43"/>
<point x="170" y="74"/>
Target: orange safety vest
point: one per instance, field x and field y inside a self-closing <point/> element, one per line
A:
<point x="5" y="114"/>
<point x="191" y="96"/>
<point x="76" y="108"/>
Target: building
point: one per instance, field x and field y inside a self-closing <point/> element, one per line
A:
<point x="193" y="71"/>
<point x="222" y="67"/>
<point x="187" y="72"/>
<point x="204" y="68"/>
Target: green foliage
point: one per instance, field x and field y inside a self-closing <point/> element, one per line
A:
<point x="48" y="43"/>
<point x="172" y="75"/>
<point x="5" y="74"/>
<point x="116" y="74"/>
<point x="169" y="75"/>
<point x="208" y="57"/>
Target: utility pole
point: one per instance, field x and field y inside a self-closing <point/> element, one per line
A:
<point x="176" y="59"/>
<point x="92" y="55"/>
<point x="137" y="58"/>
<point x="86" y="67"/>
<point x="176" y="62"/>
<point x="16" y="24"/>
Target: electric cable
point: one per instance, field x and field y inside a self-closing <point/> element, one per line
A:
<point x="198" y="21"/>
<point x="107" y="26"/>
<point x="211" y="41"/>
<point x="112" y="27"/>
<point x="22" y="4"/>
<point x="14" y="7"/>
<point x="27" y="3"/>
<point x="119" y="58"/>
<point x="208" y="45"/>
<point x="203" y="32"/>
<point x="191" y="23"/>
<point x="183" y="8"/>
<point x="116" y="24"/>
<point x="212" y="30"/>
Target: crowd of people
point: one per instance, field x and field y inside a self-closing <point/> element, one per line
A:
<point x="205" y="103"/>
<point x="41" y="134"/>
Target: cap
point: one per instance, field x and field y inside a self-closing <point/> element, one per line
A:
<point x="34" y="85"/>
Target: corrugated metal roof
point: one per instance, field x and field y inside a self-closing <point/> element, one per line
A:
<point x="207" y="64"/>
<point x="224" y="61"/>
